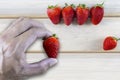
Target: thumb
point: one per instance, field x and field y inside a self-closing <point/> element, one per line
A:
<point x="39" y="67"/>
<point x="49" y="62"/>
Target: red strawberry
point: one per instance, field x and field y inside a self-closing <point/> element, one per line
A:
<point x="110" y="43"/>
<point x="97" y="13"/>
<point x="54" y="13"/>
<point x="82" y="13"/>
<point x="51" y="46"/>
<point x="68" y="14"/>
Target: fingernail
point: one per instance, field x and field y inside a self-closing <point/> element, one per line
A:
<point x="53" y="61"/>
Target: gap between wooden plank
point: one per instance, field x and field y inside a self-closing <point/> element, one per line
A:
<point x="77" y="52"/>
<point x="13" y="16"/>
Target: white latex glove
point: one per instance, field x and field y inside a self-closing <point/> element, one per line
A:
<point x="13" y="43"/>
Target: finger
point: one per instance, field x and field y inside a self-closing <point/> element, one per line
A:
<point x="38" y="24"/>
<point x="22" y="26"/>
<point x="38" y="67"/>
<point x="25" y="25"/>
<point x="21" y="43"/>
<point x="12" y="24"/>
<point x="17" y="29"/>
<point x="26" y="39"/>
<point x="5" y="34"/>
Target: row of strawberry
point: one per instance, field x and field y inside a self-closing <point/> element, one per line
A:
<point x="82" y="13"/>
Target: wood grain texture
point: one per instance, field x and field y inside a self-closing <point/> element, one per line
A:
<point x="79" y="42"/>
<point x="81" y="66"/>
<point x="10" y="9"/>
<point x="76" y="38"/>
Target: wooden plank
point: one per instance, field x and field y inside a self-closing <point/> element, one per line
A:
<point x="81" y="66"/>
<point x="76" y="38"/>
<point x="9" y="9"/>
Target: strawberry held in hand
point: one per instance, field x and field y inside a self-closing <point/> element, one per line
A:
<point x="110" y="43"/>
<point x="51" y="46"/>
<point x="97" y="13"/>
<point x="82" y="13"/>
<point x="68" y="14"/>
<point x="54" y="13"/>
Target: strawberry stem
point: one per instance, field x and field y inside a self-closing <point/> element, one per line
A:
<point x="66" y="4"/>
<point x="83" y="5"/>
<point x="100" y="5"/>
<point x="73" y="6"/>
<point x="54" y="35"/>
<point x="51" y="6"/>
<point x="118" y="39"/>
<point x="79" y="5"/>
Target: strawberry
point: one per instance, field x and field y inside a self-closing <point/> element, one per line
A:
<point x="68" y="14"/>
<point x="82" y="13"/>
<point x="110" y="42"/>
<point x="97" y="13"/>
<point x="51" y="46"/>
<point x="54" y="13"/>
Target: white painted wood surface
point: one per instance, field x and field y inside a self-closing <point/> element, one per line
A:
<point x="87" y="37"/>
<point x="82" y="67"/>
<point x="38" y="7"/>
<point x="72" y="66"/>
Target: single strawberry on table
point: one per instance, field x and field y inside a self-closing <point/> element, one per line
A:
<point x="110" y="43"/>
<point x="51" y="46"/>
<point x="96" y="13"/>
<point x="54" y="13"/>
<point x="82" y="13"/>
<point x="68" y="13"/>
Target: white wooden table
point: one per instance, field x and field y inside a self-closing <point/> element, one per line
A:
<point x="81" y="55"/>
<point x="84" y="66"/>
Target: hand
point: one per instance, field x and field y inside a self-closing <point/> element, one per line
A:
<point x="15" y="40"/>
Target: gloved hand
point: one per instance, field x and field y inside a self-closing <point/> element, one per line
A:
<point x="13" y="43"/>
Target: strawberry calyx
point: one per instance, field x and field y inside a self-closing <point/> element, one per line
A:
<point x="99" y="5"/>
<point x="82" y="6"/>
<point x="51" y="6"/>
<point x="117" y="39"/>
<point x="54" y="35"/>
<point x="66" y="4"/>
<point x="72" y="5"/>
